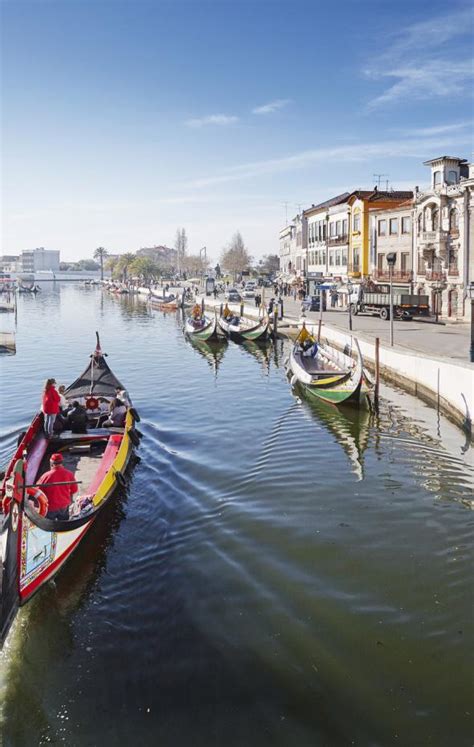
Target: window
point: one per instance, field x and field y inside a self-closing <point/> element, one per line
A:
<point x="380" y="260"/>
<point x="356" y="259"/>
<point x="338" y="227"/>
<point x="324" y="232"/>
<point x="332" y="229"/>
<point x="356" y="222"/>
<point x="344" y="227"/>
<point x="435" y="219"/>
<point x="393" y="226"/>
<point x="436" y="178"/>
<point x="405" y="262"/>
<point x="331" y="259"/>
<point x="344" y="256"/>
<point x="338" y="257"/>
<point x="452" y="177"/>
<point x="406" y="225"/>
<point x="382" y="228"/>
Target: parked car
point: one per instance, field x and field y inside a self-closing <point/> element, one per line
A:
<point x="233" y="295"/>
<point x="249" y="290"/>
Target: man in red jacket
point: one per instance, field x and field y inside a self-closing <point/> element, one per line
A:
<point x="59" y="496"/>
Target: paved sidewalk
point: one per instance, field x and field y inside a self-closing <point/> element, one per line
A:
<point x="438" y="340"/>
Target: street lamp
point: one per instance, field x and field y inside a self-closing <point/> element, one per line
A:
<point x="391" y="259"/>
<point x="349" y="300"/>
<point x="470" y="294"/>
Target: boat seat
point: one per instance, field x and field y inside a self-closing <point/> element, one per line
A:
<point x="94" y="432"/>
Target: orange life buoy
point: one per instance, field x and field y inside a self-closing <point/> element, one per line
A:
<point x="39" y="500"/>
<point x="92" y="403"/>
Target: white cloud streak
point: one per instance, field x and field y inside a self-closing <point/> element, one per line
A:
<point x="271" y="107"/>
<point x="418" y="148"/>
<point x="422" y="64"/>
<point x="212" y="119"/>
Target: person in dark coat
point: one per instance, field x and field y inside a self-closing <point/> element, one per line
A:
<point x="77" y="418"/>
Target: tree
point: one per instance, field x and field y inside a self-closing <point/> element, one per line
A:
<point x="87" y="264"/>
<point x="123" y="263"/>
<point x="100" y="254"/>
<point x="270" y="263"/>
<point x="193" y="264"/>
<point x="144" y="268"/>
<point x="180" y="244"/>
<point x="235" y="258"/>
<point x="110" y="264"/>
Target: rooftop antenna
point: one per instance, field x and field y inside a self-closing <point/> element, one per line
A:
<point x="286" y="211"/>
<point x="378" y="177"/>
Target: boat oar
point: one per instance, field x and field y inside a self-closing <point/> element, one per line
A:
<point x="49" y="484"/>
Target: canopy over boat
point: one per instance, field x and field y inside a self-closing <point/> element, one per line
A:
<point x="97" y="379"/>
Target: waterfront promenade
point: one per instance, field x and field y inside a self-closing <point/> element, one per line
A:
<point x="428" y="359"/>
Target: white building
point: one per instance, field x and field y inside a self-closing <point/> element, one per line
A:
<point x="391" y="232"/>
<point x="443" y="216"/>
<point x="322" y="246"/>
<point x="36" y="260"/>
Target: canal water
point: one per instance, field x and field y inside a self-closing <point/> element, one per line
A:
<point x="274" y="574"/>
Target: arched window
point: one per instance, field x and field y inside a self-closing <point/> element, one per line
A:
<point x="453" y="220"/>
<point x="435" y="219"/>
<point x="436" y="178"/>
<point x="452" y="177"/>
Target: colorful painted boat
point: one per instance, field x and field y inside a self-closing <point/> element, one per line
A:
<point x="33" y="548"/>
<point x="326" y="373"/>
<point x="239" y="328"/>
<point x="204" y="328"/>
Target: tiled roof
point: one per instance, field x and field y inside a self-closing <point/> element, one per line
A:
<point x="328" y="203"/>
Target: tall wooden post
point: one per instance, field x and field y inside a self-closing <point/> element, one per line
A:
<point x="275" y="321"/>
<point x="377" y="371"/>
<point x="241" y="308"/>
<point x="319" y="330"/>
<point x="203" y="304"/>
<point x="222" y="309"/>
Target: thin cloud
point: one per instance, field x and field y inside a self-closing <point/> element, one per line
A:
<point x="437" y="130"/>
<point x="422" y="63"/>
<point x="357" y="152"/>
<point x="271" y="107"/>
<point x="212" y="119"/>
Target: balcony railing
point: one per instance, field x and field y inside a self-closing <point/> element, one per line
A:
<point x="335" y="240"/>
<point x="432" y="236"/>
<point x="401" y="275"/>
<point x="435" y="275"/>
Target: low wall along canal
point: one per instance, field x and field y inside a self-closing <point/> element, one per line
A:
<point x="275" y="573"/>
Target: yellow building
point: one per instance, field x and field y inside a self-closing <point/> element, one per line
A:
<point x="361" y="202"/>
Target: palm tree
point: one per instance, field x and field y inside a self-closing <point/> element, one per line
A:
<point x="100" y="254"/>
<point x="124" y="262"/>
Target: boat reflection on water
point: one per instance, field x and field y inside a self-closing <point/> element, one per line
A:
<point x="265" y="352"/>
<point x="349" y="426"/>
<point x="212" y="350"/>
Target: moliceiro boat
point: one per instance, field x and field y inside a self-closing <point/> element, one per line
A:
<point x="33" y="547"/>
<point x="201" y="327"/>
<point x="326" y="373"/>
<point x="239" y="328"/>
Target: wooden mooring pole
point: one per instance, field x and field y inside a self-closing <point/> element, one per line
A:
<point x="319" y="330"/>
<point x="275" y="321"/>
<point x="377" y="371"/>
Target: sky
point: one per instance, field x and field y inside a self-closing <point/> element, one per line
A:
<point x="122" y="121"/>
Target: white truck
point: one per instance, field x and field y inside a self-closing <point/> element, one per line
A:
<point x="376" y="301"/>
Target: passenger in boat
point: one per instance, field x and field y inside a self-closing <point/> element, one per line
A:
<point x="117" y="415"/>
<point x="63" y="403"/>
<point x="122" y="394"/>
<point x="50" y="406"/>
<point x="227" y="313"/>
<point x="196" y="312"/>
<point x="77" y="418"/>
<point x="59" y="496"/>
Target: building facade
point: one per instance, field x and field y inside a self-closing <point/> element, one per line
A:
<point x="36" y="260"/>
<point x="361" y="204"/>
<point x="442" y="218"/>
<point x="391" y="231"/>
<point x="323" y="246"/>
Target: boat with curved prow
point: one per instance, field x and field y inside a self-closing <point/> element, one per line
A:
<point x="239" y="328"/>
<point x="33" y="547"/>
<point x="201" y="328"/>
<point x="327" y="373"/>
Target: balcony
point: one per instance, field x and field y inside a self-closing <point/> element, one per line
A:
<point x="337" y="240"/>
<point x="435" y="275"/>
<point x="432" y="237"/>
<point x="403" y="276"/>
